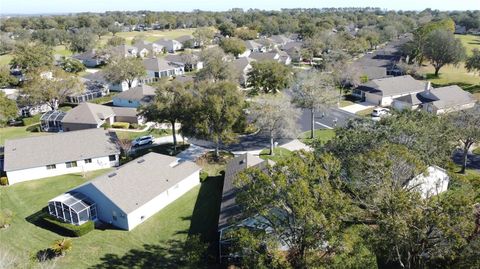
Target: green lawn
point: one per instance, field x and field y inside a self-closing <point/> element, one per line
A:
<point x="62" y="50"/>
<point x="150" y="36"/>
<point x="366" y="112"/>
<point x="5" y="59"/>
<point x="133" y="135"/>
<point x="470" y="42"/>
<point x="457" y="74"/>
<point x="150" y="245"/>
<point x="279" y="153"/>
<point x="16" y="132"/>
<point x="476" y="151"/>
<point x="323" y="136"/>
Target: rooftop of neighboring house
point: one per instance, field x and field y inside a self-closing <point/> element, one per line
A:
<point x="251" y="44"/>
<point x="241" y="63"/>
<point x="123" y="49"/>
<point x="228" y="208"/>
<point x="182" y="58"/>
<point x="158" y="64"/>
<point x="280" y="39"/>
<point x="57" y="148"/>
<point x="88" y="55"/>
<point x="88" y="113"/>
<point x="153" y="174"/>
<point x="293" y="45"/>
<point x="392" y="86"/>
<point x="448" y="96"/>
<point x="265" y="56"/>
<point x="142" y="93"/>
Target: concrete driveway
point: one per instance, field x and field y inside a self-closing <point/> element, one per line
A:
<point x="357" y="107"/>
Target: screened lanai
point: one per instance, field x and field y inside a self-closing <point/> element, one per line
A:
<point x="52" y="121"/>
<point x="72" y="207"/>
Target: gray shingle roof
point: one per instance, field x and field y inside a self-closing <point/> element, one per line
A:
<point x="142" y="93"/>
<point x="58" y="148"/>
<point x="449" y="96"/>
<point x="184" y="38"/>
<point x="265" y="56"/>
<point x="125" y="111"/>
<point x="394" y="86"/>
<point x="88" y="113"/>
<point x="138" y="182"/>
<point x="158" y="65"/>
<point x="251" y="45"/>
<point x="241" y="63"/>
<point x="228" y="208"/>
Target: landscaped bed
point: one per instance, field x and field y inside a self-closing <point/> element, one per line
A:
<point x="24" y="238"/>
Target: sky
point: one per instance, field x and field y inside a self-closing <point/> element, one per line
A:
<point x="67" y="6"/>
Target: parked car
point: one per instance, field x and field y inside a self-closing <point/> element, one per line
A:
<point x="142" y="140"/>
<point x="380" y="112"/>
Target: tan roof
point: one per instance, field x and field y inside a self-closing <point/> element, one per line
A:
<point x="88" y="113"/>
<point x="139" y="181"/>
<point x="59" y="148"/>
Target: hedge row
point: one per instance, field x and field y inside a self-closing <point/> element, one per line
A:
<point x="121" y="125"/>
<point x="67" y="228"/>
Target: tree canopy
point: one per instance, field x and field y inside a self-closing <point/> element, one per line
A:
<point x="443" y="48"/>
<point x="128" y="69"/>
<point x="268" y="77"/>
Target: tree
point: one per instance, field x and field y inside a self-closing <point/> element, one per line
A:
<point x="443" y="48"/>
<point x="268" y="77"/>
<point x="114" y="29"/>
<point x="172" y="104"/>
<point x="233" y="45"/>
<point x="275" y="116"/>
<point x="116" y="41"/>
<point x="8" y="109"/>
<point x="214" y="67"/>
<point x="120" y="69"/>
<point x="72" y="65"/>
<point x="371" y="35"/>
<point x="227" y="29"/>
<point x="301" y="205"/>
<point x="6" y="79"/>
<point x="29" y="56"/>
<point x="466" y="124"/>
<point x="314" y="91"/>
<point x="82" y="41"/>
<point x="246" y="34"/>
<point x="61" y="246"/>
<point x="219" y="106"/>
<point x="126" y="145"/>
<point x="50" y="86"/>
<point x="473" y="62"/>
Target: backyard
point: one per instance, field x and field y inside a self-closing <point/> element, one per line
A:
<point x="458" y="74"/>
<point x="153" y="242"/>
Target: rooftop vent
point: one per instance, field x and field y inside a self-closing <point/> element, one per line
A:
<point x="112" y="174"/>
<point x="141" y="161"/>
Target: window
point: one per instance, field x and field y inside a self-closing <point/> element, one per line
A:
<point x="130" y="101"/>
<point x="88" y="160"/>
<point x="114" y="215"/>
<point x="51" y="166"/>
<point x="142" y="217"/>
<point x="71" y="164"/>
<point x="112" y="158"/>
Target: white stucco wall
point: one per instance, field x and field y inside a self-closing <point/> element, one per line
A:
<point x="399" y="105"/>
<point x="373" y="98"/>
<point x="61" y="169"/>
<point x="125" y="103"/>
<point x="162" y="200"/>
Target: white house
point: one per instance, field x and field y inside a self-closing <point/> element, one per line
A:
<point x="148" y="49"/>
<point x="139" y="95"/>
<point x="383" y="91"/>
<point x="433" y="182"/>
<point x="132" y="193"/>
<point x="437" y="100"/>
<point x="169" y="44"/>
<point x="160" y="68"/>
<point x="99" y="77"/>
<point x="242" y="67"/>
<point x="59" y="154"/>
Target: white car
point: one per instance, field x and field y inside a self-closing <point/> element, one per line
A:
<point x="380" y="112"/>
<point x="142" y="140"/>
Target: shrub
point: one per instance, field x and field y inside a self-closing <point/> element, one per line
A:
<point x="203" y="176"/>
<point x="5" y="218"/>
<point x="134" y="126"/>
<point x="67" y="228"/>
<point x="61" y="246"/>
<point x="31" y="120"/>
<point x="121" y="125"/>
<point x="3" y="181"/>
<point x="35" y="128"/>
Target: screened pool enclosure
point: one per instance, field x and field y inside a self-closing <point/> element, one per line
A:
<point x="72" y="207"/>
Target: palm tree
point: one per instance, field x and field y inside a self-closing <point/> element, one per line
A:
<point x="61" y="246"/>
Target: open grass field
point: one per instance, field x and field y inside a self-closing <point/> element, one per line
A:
<point x="153" y="244"/>
<point x="457" y="74"/>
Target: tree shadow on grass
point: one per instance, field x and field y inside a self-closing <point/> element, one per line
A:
<point x="164" y="255"/>
<point x="204" y="220"/>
